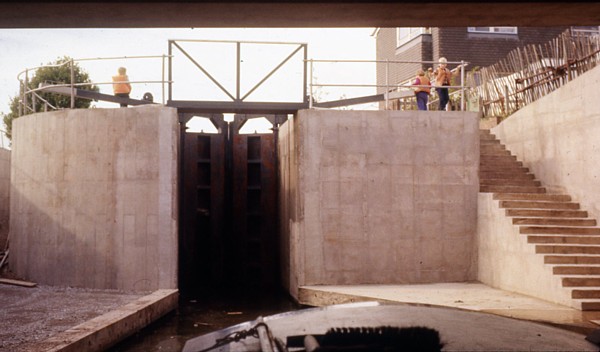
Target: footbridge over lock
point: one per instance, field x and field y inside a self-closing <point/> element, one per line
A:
<point x="229" y="186"/>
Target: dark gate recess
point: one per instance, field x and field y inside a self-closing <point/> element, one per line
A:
<point x="228" y="217"/>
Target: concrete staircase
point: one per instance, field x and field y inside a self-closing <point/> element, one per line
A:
<point x="557" y="227"/>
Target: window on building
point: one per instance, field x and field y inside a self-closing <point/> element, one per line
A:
<point x="586" y="30"/>
<point x="495" y="30"/>
<point x="406" y="34"/>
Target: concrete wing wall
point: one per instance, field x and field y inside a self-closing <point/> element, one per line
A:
<point x="507" y="261"/>
<point x="93" y="199"/>
<point x="379" y="197"/>
<point x="558" y="138"/>
<point x="4" y="195"/>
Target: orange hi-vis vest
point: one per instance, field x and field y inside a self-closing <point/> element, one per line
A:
<point x="121" y="87"/>
<point x="422" y="81"/>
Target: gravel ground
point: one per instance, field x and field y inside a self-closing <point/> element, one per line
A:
<point x="29" y="315"/>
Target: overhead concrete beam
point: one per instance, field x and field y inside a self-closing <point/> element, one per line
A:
<point x="249" y="13"/>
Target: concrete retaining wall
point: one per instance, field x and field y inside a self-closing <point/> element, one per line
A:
<point x="508" y="262"/>
<point x="4" y="195"/>
<point x="558" y="138"/>
<point x="379" y="197"/>
<point x="93" y="199"/>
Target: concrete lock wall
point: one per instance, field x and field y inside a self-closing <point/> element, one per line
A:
<point x="4" y="195"/>
<point x="558" y="138"/>
<point x="93" y="200"/>
<point x="378" y="197"/>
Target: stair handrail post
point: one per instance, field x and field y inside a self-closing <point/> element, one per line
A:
<point x="304" y="78"/>
<point x="21" y="95"/>
<point x="462" y="85"/>
<point x="310" y="97"/>
<point x="25" y="88"/>
<point x="163" y="79"/>
<point x="72" y="64"/>
<point x="170" y="70"/>
<point x="387" y="83"/>
<point x="33" y="102"/>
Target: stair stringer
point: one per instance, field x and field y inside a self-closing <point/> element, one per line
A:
<point x="507" y="262"/>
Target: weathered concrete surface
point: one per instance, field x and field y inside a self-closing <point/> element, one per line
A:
<point x="4" y="195"/>
<point x="104" y="331"/>
<point x="508" y="262"/>
<point x="93" y="198"/>
<point x="379" y="197"/>
<point x="464" y="295"/>
<point x="31" y="315"/>
<point x="558" y="138"/>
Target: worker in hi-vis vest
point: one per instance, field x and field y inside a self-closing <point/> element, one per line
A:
<point x="121" y="86"/>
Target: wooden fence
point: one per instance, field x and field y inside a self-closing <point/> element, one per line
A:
<point x="529" y="73"/>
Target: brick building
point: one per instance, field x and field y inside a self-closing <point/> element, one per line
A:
<point x="479" y="46"/>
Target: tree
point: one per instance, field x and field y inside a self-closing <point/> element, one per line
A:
<point x="58" y="72"/>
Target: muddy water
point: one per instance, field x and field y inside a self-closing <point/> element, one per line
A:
<point x="203" y="314"/>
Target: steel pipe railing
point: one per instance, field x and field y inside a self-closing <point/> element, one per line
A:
<point x="26" y="93"/>
<point x="387" y="85"/>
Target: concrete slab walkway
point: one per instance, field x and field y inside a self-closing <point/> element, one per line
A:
<point x="470" y="296"/>
<point x="46" y="318"/>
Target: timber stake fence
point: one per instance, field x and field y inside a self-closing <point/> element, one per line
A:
<point x="529" y="73"/>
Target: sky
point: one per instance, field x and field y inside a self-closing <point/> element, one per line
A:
<point x="28" y="48"/>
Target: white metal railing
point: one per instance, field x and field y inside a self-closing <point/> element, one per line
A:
<point x="237" y="95"/>
<point x="389" y="87"/>
<point x="28" y="95"/>
<point x="32" y="95"/>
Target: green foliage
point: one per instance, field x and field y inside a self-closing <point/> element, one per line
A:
<point x="58" y="72"/>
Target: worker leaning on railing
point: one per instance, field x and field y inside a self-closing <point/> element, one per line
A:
<point x="121" y="87"/>
<point x="443" y="77"/>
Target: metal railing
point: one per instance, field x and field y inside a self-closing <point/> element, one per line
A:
<point x="29" y="97"/>
<point x="389" y="87"/>
<point x="237" y="96"/>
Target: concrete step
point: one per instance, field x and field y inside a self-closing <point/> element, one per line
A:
<point x="576" y="270"/>
<point x="554" y="221"/>
<point x="560" y="239"/>
<point x="501" y="155"/>
<point x="581" y="281"/>
<point x="559" y="230"/>
<point x="492" y="144"/>
<point x="491" y="158"/>
<point x="547" y="213"/>
<point x="494" y="150"/>
<point x="530" y="196"/>
<point x="514" y="172"/>
<point x="489" y="141"/>
<point x="506" y="167"/>
<point x="571" y="259"/>
<point x="585" y="294"/>
<point x="526" y="204"/>
<point x="510" y="182"/>
<point x="488" y="137"/>
<point x="566" y="249"/>
<point x="589" y="305"/>
<point x="511" y="189"/>
<point x="490" y="174"/>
